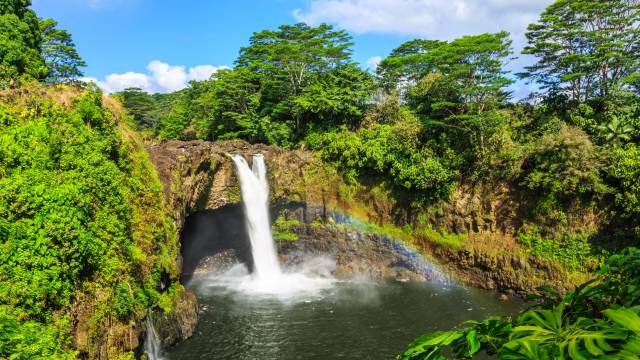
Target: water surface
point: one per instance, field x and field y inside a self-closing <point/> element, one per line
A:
<point x="352" y="320"/>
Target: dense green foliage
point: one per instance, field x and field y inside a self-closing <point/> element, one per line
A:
<point x="386" y="149"/>
<point x="81" y="212"/>
<point x="31" y="48"/>
<point x="574" y="251"/>
<point x="285" y="84"/>
<point x="586" y="48"/>
<point x="59" y="53"/>
<point x="20" y="41"/>
<point x="600" y="319"/>
<point x="141" y="106"/>
<point x="563" y="168"/>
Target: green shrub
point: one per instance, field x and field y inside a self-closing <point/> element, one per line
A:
<point x="281" y="229"/>
<point x="573" y="252"/>
<point x="441" y="237"/>
<point x="285" y="236"/>
<point x="25" y="340"/>
<point x="564" y="167"/>
<point x="82" y="213"/>
<point x="600" y="319"/>
<point x="390" y="152"/>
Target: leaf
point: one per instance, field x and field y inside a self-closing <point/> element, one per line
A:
<point x="428" y="346"/>
<point x="626" y="317"/>
<point x="472" y="340"/>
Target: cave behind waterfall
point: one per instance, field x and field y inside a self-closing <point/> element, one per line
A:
<point x="212" y="232"/>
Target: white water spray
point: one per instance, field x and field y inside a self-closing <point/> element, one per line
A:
<point x="267" y="278"/>
<point x="152" y="345"/>
<point x="255" y="198"/>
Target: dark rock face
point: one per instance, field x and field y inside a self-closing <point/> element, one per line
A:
<point x="214" y="238"/>
<point x="358" y="254"/>
<point x="355" y="253"/>
<point x="180" y="323"/>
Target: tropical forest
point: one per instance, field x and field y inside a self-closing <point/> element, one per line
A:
<point x="472" y="191"/>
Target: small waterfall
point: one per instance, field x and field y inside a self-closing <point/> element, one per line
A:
<point x="255" y="198"/>
<point x="152" y="345"/>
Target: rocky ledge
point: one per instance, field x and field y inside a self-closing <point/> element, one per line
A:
<point x="198" y="177"/>
<point x="345" y="252"/>
<point x="179" y="324"/>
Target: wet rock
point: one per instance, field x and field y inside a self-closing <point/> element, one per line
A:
<point x="180" y="323"/>
<point x="358" y="254"/>
<point x="218" y="263"/>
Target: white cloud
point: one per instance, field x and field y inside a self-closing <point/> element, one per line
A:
<point x="372" y="62"/>
<point x="431" y="19"/>
<point x="435" y="19"/>
<point x="167" y="77"/>
<point x="128" y="79"/>
<point x="203" y="72"/>
<point x="161" y="77"/>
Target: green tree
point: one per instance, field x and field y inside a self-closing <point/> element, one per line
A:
<point x="173" y="125"/>
<point x="474" y="63"/>
<point x="141" y="106"/>
<point x="459" y="95"/>
<point x="289" y="60"/>
<point x="20" y="42"/>
<point x="625" y="169"/>
<point x="237" y="97"/>
<point x="562" y="170"/>
<point x="408" y="62"/>
<point x="286" y="83"/>
<point x="585" y="48"/>
<point x="59" y="53"/>
<point x="337" y="96"/>
<point x="294" y="52"/>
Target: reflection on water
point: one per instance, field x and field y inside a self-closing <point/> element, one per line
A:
<point x="350" y="320"/>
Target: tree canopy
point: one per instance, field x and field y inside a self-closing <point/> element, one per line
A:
<point x="59" y="53"/>
<point x="20" y="41"/>
<point x="33" y="48"/>
<point x="585" y="48"/>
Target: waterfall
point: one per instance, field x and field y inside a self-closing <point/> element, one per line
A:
<point x="152" y="345"/>
<point x="255" y="199"/>
<point x="310" y="278"/>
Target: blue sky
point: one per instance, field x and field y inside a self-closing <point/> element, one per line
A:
<point x="159" y="44"/>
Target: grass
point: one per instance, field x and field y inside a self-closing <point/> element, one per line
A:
<point x="444" y="238"/>
<point x="281" y="229"/>
<point x="285" y="236"/>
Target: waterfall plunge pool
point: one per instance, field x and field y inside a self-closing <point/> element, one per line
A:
<point x="304" y="313"/>
<point x="351" y="320"/>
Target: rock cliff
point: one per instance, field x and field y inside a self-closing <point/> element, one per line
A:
<point x="198" y="176"/>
